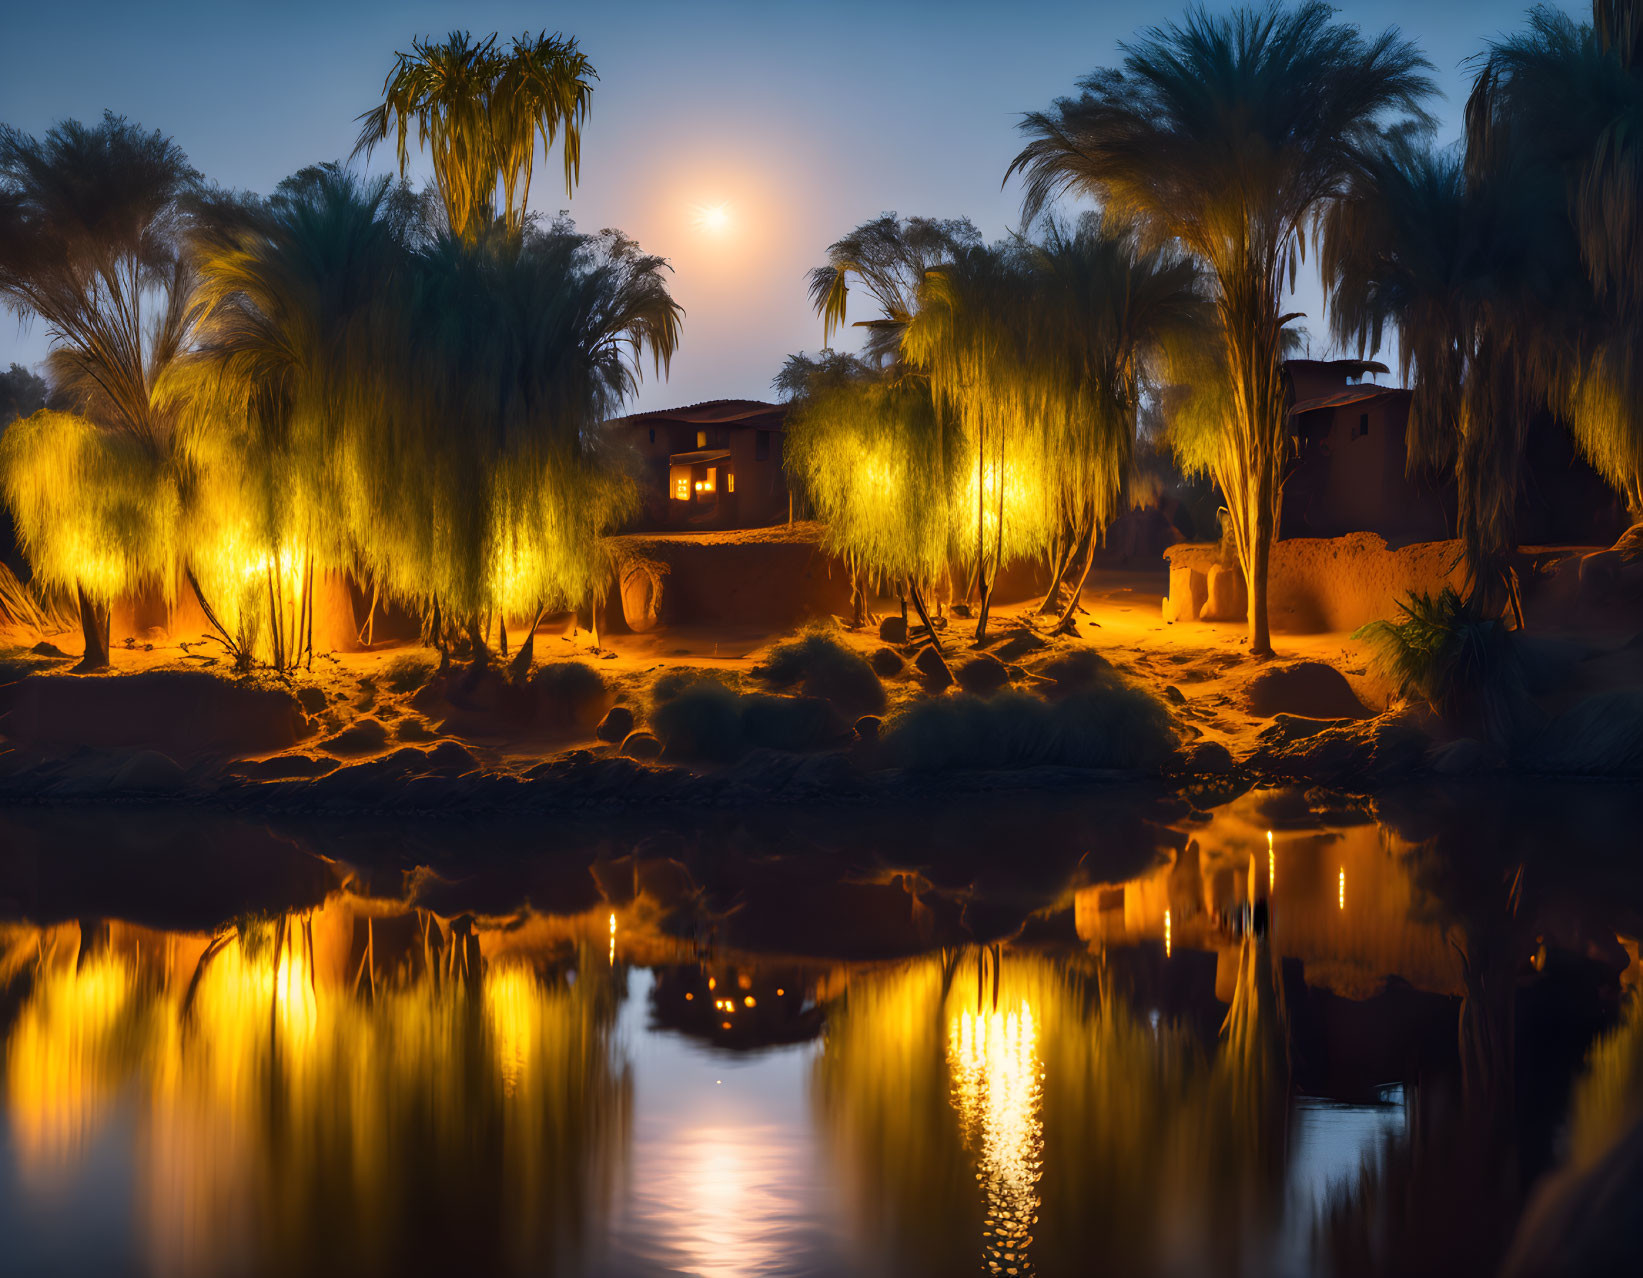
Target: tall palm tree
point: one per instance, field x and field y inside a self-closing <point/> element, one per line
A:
<point x="1109" y="312"/>
<point x="973" y="336"/>
<point x="866" y="446"/>
<point x="1229" y="134"/>
<point x="888" y="258"/>
<point x="1570" y="96"/>
<point x="479" y="109"/>
<point x="284" y="396"/>
<point x="90" y="226"/>
<point x="1466" y="266"/>
<point x="515" y="350"/>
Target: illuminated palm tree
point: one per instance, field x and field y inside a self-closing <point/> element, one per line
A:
<point x="866" y="446"/>
<point x="479" y="109"/>
<point x="1229" y="135"/>
<point x="515" y="350"/>
<point x="90" y="224"/>
<point x="284" y="398"/>
<point x="1109" y="313"/>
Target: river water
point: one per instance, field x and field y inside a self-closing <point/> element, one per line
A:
<point x="1360" y="1046"/>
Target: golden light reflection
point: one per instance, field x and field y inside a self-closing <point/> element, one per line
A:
<point x="1340" y="894"/>
<point x="997" y="1090"/>
<point x="315" y="1057"/>
<point x="1166" y="934"/>
<point x="1271" y="865"/>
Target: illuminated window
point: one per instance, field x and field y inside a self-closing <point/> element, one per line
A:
<point x="730" y="481"/>
<point x="681" y="488"/>
<point x="701" y="439"/>
<point x="712" y="479"/>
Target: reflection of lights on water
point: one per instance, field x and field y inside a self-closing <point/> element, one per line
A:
<point x="613" y="940"/>
<point x="514" y="1011"/>
<point x="1166" y="934"/>
<point x="1341" y="890"/>
<point x="1271" y="865"/>
<point x="998" y="1094"/>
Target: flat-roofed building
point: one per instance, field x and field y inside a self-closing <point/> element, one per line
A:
<point x="717" y="464"/>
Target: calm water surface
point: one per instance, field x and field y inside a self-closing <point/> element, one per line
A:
<point x="1239" y="1061"/>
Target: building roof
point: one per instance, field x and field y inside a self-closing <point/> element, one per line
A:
<point x="1343" y="399"/>
<point x="715" y="412"/>
<point x="700" y="455"/>
<point x="1343" y="367"/>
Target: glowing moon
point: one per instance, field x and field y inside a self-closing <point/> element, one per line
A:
<point x="713" y="218"/>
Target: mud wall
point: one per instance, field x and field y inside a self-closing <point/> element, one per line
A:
<point x="1320" y="584"/>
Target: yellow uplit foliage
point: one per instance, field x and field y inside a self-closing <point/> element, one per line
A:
<point x="870" y="453"/>
<point x="94" y="508"/>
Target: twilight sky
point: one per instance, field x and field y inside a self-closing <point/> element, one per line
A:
<point x="801" y="119"/>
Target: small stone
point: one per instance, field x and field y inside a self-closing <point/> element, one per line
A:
<point x="641" y="745"/>
<point x="887" y="663"/>
<point x="312" y="699"/>
<point x="893" y="630"/>
<point x="961" y="610"/>
<point x="44" y="649"/>
<point x="1174" y="694"/>
<point x="616" y="724"/>
<point x="868" y="727"/>
<point x="1209" y="758"/>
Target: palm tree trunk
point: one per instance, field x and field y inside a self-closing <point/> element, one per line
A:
<point x="94" y="628"/>
<point x="521" y="664"/>
<point x="924" y="616"/>
<point x="1078" y="591"/>
<point x="1260" y="633"/>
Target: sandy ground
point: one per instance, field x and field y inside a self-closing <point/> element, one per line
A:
<point x="1203" y="669"/>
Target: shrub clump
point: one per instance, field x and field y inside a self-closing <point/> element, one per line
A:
<point x="712" y="723"/>
<point x="823" y="667"/>
<point x="569" y="694"/>
<point x="1105" y="725"/>
<point x="409" y="673"/>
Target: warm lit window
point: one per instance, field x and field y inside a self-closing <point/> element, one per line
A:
<point x="730" y="481"/>
<point x="712" y="478"/>
<point x="681" y="488"/>
<point x="701" y="439"/>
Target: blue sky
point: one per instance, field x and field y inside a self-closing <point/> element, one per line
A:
<point x="801" y="119"/>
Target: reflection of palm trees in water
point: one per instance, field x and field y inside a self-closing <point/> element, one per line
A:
<point x="992" y="1056"/>
<point x="332" y="1090"/>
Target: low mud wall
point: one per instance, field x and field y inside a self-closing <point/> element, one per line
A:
<point x="1316" y="584"/>
<point x="775" y="577"/>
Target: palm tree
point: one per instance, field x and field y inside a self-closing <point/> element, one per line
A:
<point x="479" y="109"/>
<point x="889" y="258"/>
<point x="284" y="397"/>
<point x="973" y="335"/>
<point x="90" y="226"/>
<point x="866" y="446"/>
<point x="1465" y="266"/>
<point x="1570" y="97"/>
<point x="1108" y="313"/>
<point x="1229" y="135"/>
<point x="515" y="349"/>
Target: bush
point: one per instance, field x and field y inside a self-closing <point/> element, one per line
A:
<point x="570" y="694"/>
<point x="1466" y="666"/>
<point x="1113" y="725"/>
<point x="701" y="722"/>
<point x="823" y="667"/>
<point x="407" y="674"/>
<point x="1600" y="736"/>
<point x="1075" y="671"/>
<point x="789" y="723"/>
